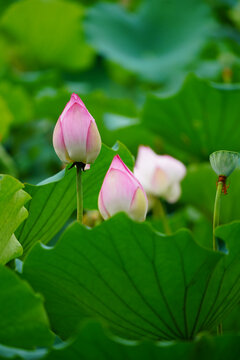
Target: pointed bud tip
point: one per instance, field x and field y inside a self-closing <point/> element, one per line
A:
<point x="74" y="96"/>
<point x="76" y="99"/>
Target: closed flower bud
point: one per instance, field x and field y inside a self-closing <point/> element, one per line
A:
<point x="224" y="162"/>
<point x="76" y="137"/>
<point x="121" y="191"/>
<point x="160" y="175"/>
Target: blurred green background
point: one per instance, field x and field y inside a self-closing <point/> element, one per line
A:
<point x="163" y="73"/>
<point x="144" y="68"/>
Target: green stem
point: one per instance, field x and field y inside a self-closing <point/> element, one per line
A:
<point x="216" y="216"/>
<point x="160" y="213"/>
<point x="79" y="193"/>
<point x="216" y="212"/>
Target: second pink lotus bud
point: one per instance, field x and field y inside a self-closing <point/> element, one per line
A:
<point x="121" y="191"/>
<point x="76" y="137"/>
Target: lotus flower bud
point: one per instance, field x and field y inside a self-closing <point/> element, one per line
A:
<point x="224" y="162"/>
<point x="160" y="175"/>
<point x="121" y="191"/>
<point x="76" y="137"/>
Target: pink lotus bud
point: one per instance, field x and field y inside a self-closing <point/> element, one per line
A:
<point x="160" y="175"/>
<point x="121" y="191"/>
<point x="76" y="137"/>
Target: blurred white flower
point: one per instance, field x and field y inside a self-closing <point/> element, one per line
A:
<point x="160" y="175"/>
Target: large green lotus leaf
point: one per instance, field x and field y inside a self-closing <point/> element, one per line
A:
<point x="50" y="207"/>
<point x="141" y="283"/>
<point x="92" y="343"/>
<point x="232" y="322"/>
<point x="54" y="200"/>
<point x="199" y="189"/>
<point x="49" y="32"/>
<point x="23" y="321"/>
<point x="12" y="214"/>
<point x="230" y="234"/>
<point x="157" y="41"/>
<point x="198" y="120"/>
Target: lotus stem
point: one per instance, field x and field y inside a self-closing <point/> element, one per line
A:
<point x="159" y="212"/>
<point x="79" y="193"/>
<point x="216" y="216"/>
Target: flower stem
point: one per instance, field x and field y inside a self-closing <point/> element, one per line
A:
<point x="216" y="212"/>
<point x="79" y="193"/>
<point x="159" y="212"/>
<point x="216" y="215"/>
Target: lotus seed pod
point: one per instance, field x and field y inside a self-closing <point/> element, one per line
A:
<point x="224" y="162"/>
